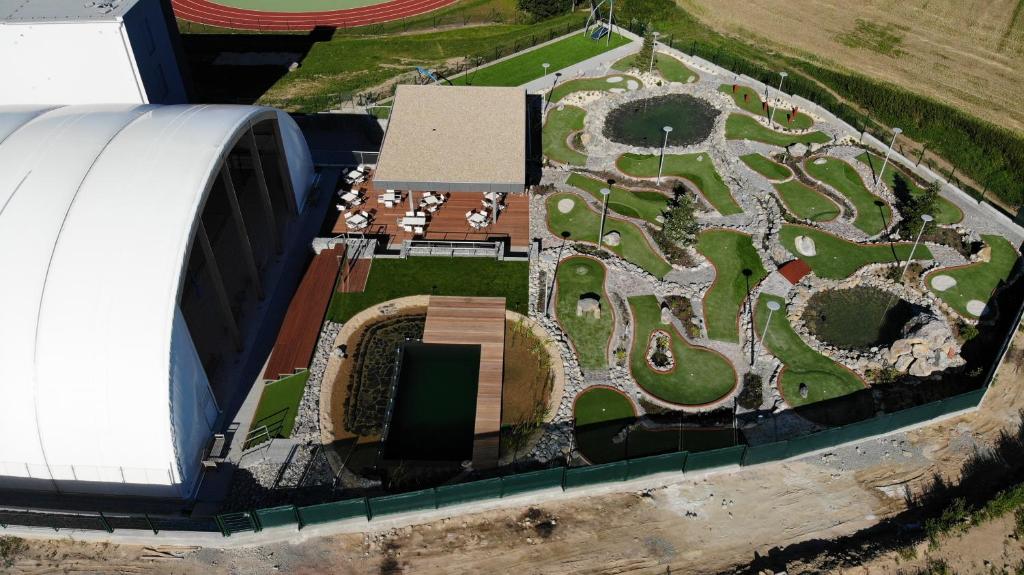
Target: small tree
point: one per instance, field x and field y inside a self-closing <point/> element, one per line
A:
<point x="680" y="226"/>
<point x="642" y="60"/>
<point x="911" y="206"/>
<point x="542" y="9"/>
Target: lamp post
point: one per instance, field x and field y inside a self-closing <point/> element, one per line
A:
<point x="925" y="218"/>
<point x="554" y="276"/>
<point x="773" y="306"/>
<point x="545" y="65"/>
<point x="661" y="164"/>
<point x="654" y="48"/>
<point x="895" y="132"/>
<point x="771" y="117"/>
<point x="605" y="192"/>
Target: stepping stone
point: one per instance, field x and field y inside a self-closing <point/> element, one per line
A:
<point x="805" y="246"/>
<point x="632" y="84"/>
<point x="820" y="161"/>
<point x="976" y="307"/>
<point x="617" y="90"/>
<point x="565" y="205"/>
<point x="614" y="79"/>
<point x="943" y="282"/>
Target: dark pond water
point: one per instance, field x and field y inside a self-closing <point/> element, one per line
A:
<point x="857" y="318"/>
<point x="640" y="123"/>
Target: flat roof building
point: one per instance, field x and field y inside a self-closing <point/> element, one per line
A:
<point x="455" y="139"/>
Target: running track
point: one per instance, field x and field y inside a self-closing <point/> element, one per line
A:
<point x="206" y="12"/>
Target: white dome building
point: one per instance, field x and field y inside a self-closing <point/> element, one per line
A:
<point x="135" y="239"/>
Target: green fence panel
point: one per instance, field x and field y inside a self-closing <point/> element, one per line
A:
<point x="402" y="502"/>
<point x="767" y="452"/>
<point x="642" y="466"/>
<point x="820" y="440"/>
<point x="964" y="400"/>
<point x="474" y="491"/>
<point x="532" y="481"/>
<point x="235" y="523"/>
<point x="914" y="415"/>
<point x="333" y="511"/>
<point x="276" y="516"/>
<point x="591" y="474"/>
<point x="714" y="458"/>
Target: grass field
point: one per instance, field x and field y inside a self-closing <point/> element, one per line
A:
<point x="731" y="253"/>
<point x="978" y="281"/>
<point x="475" y="277"/>
<point x="589" y="335"/>
<point x="767" y="167"/>
<point x="825" y="378"/>
<point x="590" y="85"/>
<point x="837" y="258"/>
<point x="743" y="127"/>
<point x="557" y="128"/>
<point x="668" y="67"/>
<point x="599" y="404"/>
<point x="754" y="105"/>
<point x="527" y="66"/>
<point x="279" y="404"/>
<point x="945" y="211"/>
<point x="807" y="203"/>
<point x="871" y="218"/>
<point x="696" y="168"/>
<point x="643" y="205"/>
<point x="585" y="224"/>
<point x="700" y="375"/>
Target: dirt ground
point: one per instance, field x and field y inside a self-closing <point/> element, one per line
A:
<point x="695" y="526"/>
<point x="968" y="53"/>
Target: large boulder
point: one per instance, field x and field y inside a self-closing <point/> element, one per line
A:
<point x="797" y="150"/>
<point x="805" y="245"/>
<point x="927" y="345"/>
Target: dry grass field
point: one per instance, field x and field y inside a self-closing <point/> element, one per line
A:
<point x="967" y="53"/>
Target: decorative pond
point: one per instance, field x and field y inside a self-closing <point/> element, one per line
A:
<point x="858" y="317"/>
<point x="640" y="122"/>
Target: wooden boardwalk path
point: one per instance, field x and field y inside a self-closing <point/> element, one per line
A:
<point x="476" y="321"/>
<point x="354" y="280"/>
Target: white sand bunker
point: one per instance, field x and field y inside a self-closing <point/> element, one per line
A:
<point x="632" y="84"/>
<point x="565" y="205"/>
<point x="943" y="282"/>
<point x="976" y="307"/>
<point x="820" y="161"/>
<point x="617" y="90"/>
<point x="805" y="246"/>
<point x="614" y="79"/>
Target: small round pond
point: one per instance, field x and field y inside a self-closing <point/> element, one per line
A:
<point x="857" y="318"/>
<point x="640" y="122"/>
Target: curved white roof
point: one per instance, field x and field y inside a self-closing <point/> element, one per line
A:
<point x="97" y="207"/>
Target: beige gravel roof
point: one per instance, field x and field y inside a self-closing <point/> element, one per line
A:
<point x="457" y="138"/>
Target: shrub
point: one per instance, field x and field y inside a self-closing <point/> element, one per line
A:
<point x="681" y="307"/>
<point x="542" y="9"/>
<point x="752" y="395"/>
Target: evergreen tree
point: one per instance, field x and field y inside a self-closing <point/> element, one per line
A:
<point x="642" y="60"/>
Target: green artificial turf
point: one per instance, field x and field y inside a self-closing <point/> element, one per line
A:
<point x="701" y="172"/>
<point x="754" y="105"/>
<point x="767" y="167"/>
<point x="945" y="212"/>
<point x="825" y="378"/>
<point x="700" y="375"/>
<point x="643" y="205"/>
<point x="807" y="203"/>
<point x="471" y="277"/>
<point x="559" y="125"/>
<point x="871" y="218"/>
<point x="527" y="66"/>
<point x="589" y="85"/>
<point x="731" y="253"/>
<point x="673" y="70"/>
<point x="743" y="127"/>
<point x="279" y="404"/>
<point x="589" y="335"/>
<point x="978" y="281"/>
<point x="584" y="225"/>
<point x="600" y="404"/>
<point x="836" y="258"/>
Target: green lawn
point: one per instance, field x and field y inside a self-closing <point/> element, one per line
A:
<point x="743" y="127"/>
<point x="279" y="405"/>
<point x="945" y="211"/>
<point x="590" y="85"/>
<point x="731" y="253"/>
<point x="767" y="167"/>
<point x="698" y="168"/>
<point x="753" y="104"/>
<point x="825" y="378"/>
<point x="474" y="277"/>
<point x="557" y="128"/>
<point x="978" y="281"/>
<point x="806" y="202"/>
<point x="871" y="218"/>
<point x="599" y="404"/>
<point x="589" y="335"/>
<point x="837" y="258"/>
<point x="525" y="67"/>
<point x="700" y="375"/>
<point x="643" y="205"/>
<point x="585" y="224"/>
<point x="668" y="67"/>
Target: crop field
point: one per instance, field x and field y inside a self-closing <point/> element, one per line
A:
<point x="967" y="53"/>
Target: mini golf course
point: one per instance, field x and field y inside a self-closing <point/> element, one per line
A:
<point x="560" y="124"/>
<point x="975" y="283"/>
<point x="871" y="217"/>
<point x="837" y="258"/>
<point x="602" y="84"/>
<point x="744" y="127"/>
<point x="945" y="211"/>
<point x="697" y="168"/>
<point x="590" y="336"/>
<point x="731" y="253"/>
<point x="749" y="100"/>
<point x="767" y="167"/>
<point x="668" y="67"/>
<point x="634" y="204"/>
<point x="805" y="202"/>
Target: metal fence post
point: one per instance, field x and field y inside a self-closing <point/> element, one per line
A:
<point x="220" y="524"/>
<point x="298" y="517"/>
<point x="152" y="525"/>
<point x="106" y="524"/>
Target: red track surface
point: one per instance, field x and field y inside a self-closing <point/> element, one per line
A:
<point x="206" y="12"/>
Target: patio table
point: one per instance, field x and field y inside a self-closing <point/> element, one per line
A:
<point x="413" y="221"/>
<point x="348" y="197"/>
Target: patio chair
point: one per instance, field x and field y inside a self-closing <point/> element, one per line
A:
<point x="419" y="230"/>
<point x="340" y="207"/>
<point x="469" y="214"/>
<point x="389" y="204"/>
<point x="407" y="228"/>
<point x="348" y="215"/>
<point x="432" y="208"/>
